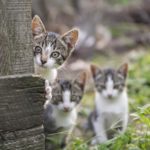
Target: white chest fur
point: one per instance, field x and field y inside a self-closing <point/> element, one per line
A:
<point x="46" y="73"/>
<point x="63" y="119"/>
<point x="109" y="113"/>
<point x="117" y="106"/>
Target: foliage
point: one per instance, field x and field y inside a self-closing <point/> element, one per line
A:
<point x="139" y="82"/>
<point x="119" y="2"/>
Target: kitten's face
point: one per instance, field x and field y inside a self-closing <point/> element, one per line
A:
<point x="50" y="49"/>
<point x="67" y="94"/>
<point x="110" y="83"/>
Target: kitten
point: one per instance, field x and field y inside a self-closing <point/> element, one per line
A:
<point x="50" y="49"/>
<point x="60" y="112"/>
<point x="111" y="103"/>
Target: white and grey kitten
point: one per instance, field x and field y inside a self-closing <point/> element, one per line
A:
<point x="60" y="111"/>
<point x="111" y="103"/>
<point x="50" y="49"/>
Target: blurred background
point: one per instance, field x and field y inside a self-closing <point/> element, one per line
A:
<point x="114" y="29"/>
<point x="105" y="25"/>
<point x="111" y="32"/>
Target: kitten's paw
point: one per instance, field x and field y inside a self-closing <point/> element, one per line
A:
<point x="101" y="140"/>
<point x="47" y="102"/>
<point x="48" y="90"/>
<point x="47" y="86"/>
<point x="48" y="96"/>
<point x="94" y="141"/>
<point x="98" y="140"/>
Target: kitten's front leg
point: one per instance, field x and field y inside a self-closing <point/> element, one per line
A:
<point x="125" y="122"/>
<point x="100" y="131"/>
<point x="67" y="138"/>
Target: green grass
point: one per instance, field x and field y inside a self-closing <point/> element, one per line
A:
<point x="137" y="136"/>
<point x="139" y="82"/>
<point x="119" y="2"/>
<point x="125" y="28"/>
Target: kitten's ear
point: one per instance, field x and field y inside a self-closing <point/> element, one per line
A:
<point x="81" y="79"/>
<point x="37" y="26"/>
<point x="71" y="37"/>
<point x="123" y="69"/>
<point x="94" y="70"/>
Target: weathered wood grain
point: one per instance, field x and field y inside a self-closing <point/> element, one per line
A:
<point x="21" y="102"/>
<point x="21" y="110"/>
<point x="15" y="37"/>
<point x="21" y="94"/>
<point x="30" y="139"/>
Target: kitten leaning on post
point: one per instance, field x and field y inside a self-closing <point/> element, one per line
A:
<point x="50" y="49"/>
<point x="111" y="103"/>
<point x="60" y="113"/>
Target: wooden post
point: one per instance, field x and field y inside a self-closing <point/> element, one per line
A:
<point x="15" y="37"/>
<point x="21" y="93"/>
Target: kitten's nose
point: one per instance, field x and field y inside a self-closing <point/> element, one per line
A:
<point x="66" y="109"/>
<point x="43" y="61"/>
<point x="110" y="96"/>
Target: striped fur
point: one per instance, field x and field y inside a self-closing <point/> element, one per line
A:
<point x="50" y="49"/>
<point x="111" y="103"/>
<point x="60" y="111"/>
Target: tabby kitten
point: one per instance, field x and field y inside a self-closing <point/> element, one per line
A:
<point x="50" y="49"/>
<point x="60" y="112"/>
<point x="111" y="103"/>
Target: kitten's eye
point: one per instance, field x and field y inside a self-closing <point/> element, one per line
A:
<point x="56" y="99"/>
<point x="103" y="86"/>
<point x="59" y="98"/>
<point x="116" y="86"/>
<point x="38" y="49"/>
<point x="76" y="98"/>
<point x="55" y="54"/>
<point x="100" y="87"/>
<point x="73" y="98"/>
